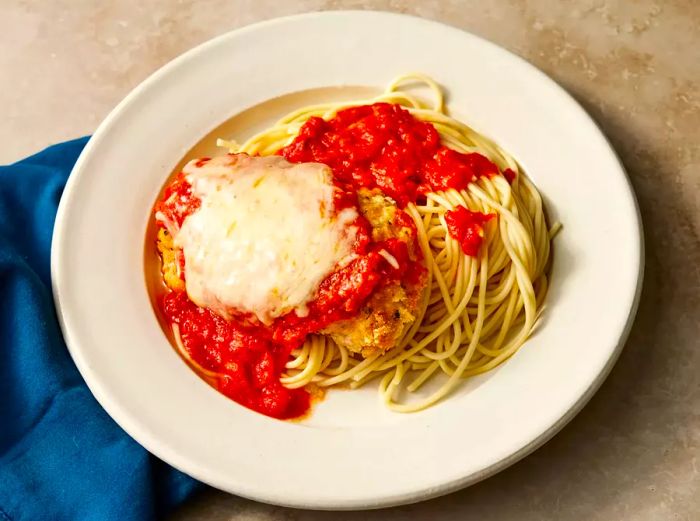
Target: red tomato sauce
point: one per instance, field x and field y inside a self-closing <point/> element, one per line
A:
<point x="467" y="228"/>
<point x="375" y="146"/>
<point x="248" y="361"/>
<point x="383" y="146"/>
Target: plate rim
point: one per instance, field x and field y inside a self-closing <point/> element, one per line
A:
<point x="123" y="418"/>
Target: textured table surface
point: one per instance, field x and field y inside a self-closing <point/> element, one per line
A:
<point x="634" y="451"/>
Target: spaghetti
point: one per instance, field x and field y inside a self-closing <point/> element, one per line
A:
<point x="482" y="299"/>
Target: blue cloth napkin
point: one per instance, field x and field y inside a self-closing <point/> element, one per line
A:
<point x="61" y="456"/>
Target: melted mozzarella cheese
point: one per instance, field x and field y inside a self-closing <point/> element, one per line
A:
<point x="264" y="237"/>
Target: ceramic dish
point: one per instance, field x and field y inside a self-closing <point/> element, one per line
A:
<point x="351" y="452"/>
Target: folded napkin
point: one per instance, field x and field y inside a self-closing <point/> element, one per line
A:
<point x="61" y="456"/>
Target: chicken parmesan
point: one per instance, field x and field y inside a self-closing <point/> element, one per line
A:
<point x="276" y="251"/>
<point x="378" y="239"/>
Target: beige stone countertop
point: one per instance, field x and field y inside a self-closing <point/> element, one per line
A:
<point x="633" y="453"/>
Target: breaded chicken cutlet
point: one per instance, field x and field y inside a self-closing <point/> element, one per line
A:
<point x="389" y="310"/>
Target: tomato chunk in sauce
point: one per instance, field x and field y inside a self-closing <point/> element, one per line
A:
<point x="467" y="228"/>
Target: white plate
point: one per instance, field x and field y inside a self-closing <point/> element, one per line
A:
<point x="351" y="453"/>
